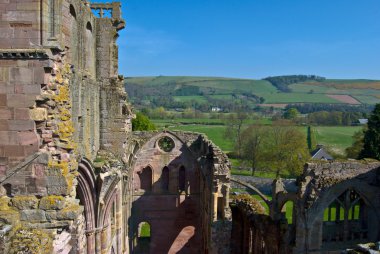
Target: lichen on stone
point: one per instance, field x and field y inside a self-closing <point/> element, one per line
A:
<point x="31" y="241"/>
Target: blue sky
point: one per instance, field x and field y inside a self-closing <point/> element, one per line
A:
<point x="251" y="38"/>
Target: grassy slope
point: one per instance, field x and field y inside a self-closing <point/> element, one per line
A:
<point x="366" y="91"/>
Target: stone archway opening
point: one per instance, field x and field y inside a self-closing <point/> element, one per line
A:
<point x="345" y="220"/>
<point x="143" y="238"/>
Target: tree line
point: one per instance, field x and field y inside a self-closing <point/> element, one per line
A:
<point x="305" y="108"/>
<point x="282" y="82"/>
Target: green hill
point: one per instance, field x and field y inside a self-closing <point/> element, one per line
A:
<point x="183" y="91"/>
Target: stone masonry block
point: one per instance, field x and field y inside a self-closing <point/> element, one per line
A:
<point x="3" y="100"/>
<point x="25" y="202"/>
<point x="33" y="215"/>
<point x="27" y="89"/>
<point x="21" y="125"/>
<point x="38" y="114"/>
<point x="21" y="114"/>
<point x="20" y="100"/>
<point x="27" y="138"/>
<point x="5" y="113"/>
<point x="52" y="203"/>
<point x="24" y="75"/>
<point x="13" y="151"/>
<point x="8" y="138"/>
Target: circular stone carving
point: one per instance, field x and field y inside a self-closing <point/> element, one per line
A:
<point x="166" y="144"/>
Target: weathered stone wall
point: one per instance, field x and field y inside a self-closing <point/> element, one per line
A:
<point x="335" y="207"/>
<point x="191" y="216"/>
<point x="51" y="94"/>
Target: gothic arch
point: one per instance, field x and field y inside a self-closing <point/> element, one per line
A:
<point x="87" y="194"/>
<point x="316" y="212"/>
<point x="145" y="179"/>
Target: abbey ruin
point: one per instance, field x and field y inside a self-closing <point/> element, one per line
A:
<point x="74" y="178"/>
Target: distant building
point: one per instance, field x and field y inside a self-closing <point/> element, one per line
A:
<point x="216" y="109"/>
<point x="320" y="154"/>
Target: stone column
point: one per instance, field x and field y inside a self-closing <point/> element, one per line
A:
<point x="215" y="206"/>
<point x="98" y="241"/>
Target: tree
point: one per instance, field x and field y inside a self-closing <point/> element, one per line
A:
<point x="234" y="129"/>
<point x="285" y="150"/>
<point x="142" y="123"/>
<point x="252" y="145"/>
<point x="291" y="113"/>
<point x="371" y="147"/>
<point x="353" y="151"/>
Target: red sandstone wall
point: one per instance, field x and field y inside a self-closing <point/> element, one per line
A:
<point x="20" y="83"/>
<point x="19" y="26"/>
<point x="174" y="217"/>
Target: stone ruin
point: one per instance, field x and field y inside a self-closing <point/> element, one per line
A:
<point x="336" y="207"/>
<point x="74" y="178"/>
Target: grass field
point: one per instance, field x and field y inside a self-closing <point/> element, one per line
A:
<point x="337" y="137"/>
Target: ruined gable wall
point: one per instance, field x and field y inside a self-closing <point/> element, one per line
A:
<point x="210" y="177"/>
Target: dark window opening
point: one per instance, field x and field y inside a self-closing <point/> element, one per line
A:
<point x="146" y="179"/>
<point x="182" y="179"/>
<point x="165" y="179"/>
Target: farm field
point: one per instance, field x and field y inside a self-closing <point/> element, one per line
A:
<point x="200" y="89"/>
<point x="337" y="138"/>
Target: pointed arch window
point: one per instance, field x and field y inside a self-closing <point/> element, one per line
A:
<point x="346" y="218"/>
<point x="145" y="176"/>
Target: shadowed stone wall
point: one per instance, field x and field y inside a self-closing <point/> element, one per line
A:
<point x="335" y="207"/>
<point x="190" y="202"/>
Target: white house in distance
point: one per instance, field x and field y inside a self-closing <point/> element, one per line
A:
<point x="216" y="109"/>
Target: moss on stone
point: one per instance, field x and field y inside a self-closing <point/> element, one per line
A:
<point x="252" y="203"/>
<point x="52" y="202"/>
<point x="25" y="202"/>
<point x="31" y="241"/>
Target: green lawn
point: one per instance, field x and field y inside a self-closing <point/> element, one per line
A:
<point x="336" y="137"/>
<point x="214" y="132"/>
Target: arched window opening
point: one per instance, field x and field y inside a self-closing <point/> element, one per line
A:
<point x="89" y="50"/>
<point x="165" y="179"/>
<point x="89" y="26"/>
<point x="73" y="12"/>
<point x="146" y="179"/>
<point x="73" y="38"/>
<point x="288" y="211"/>
<point x="143" y="238"/>
<point x="346" y="219"/>
<point x="221" y="206"/>
<point x="182" y="179"/>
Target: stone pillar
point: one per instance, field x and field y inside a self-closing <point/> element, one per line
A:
<point x="104" y="240"/>
<point x="119" y="222"/>
<point x="98" y="241"/>
<point x="215" y="205"/>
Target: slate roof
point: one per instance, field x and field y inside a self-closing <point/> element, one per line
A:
<point x="321" y="154"/>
